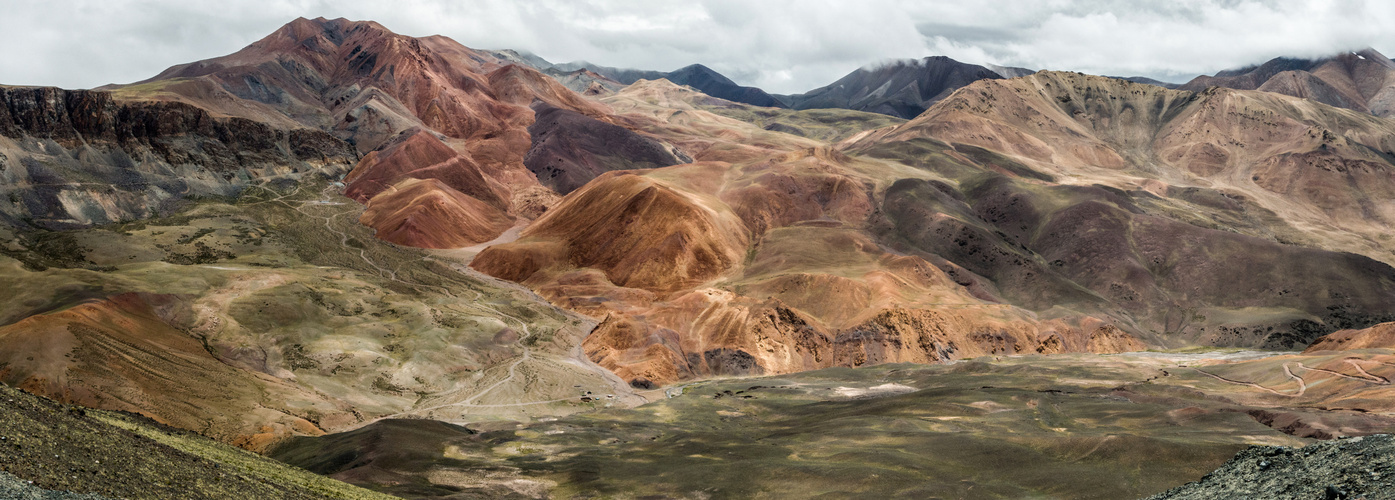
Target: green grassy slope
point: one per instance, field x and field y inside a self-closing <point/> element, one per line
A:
<point x="64" y="447"/>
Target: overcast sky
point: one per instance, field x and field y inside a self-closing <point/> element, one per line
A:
<point x="783" y="46"/>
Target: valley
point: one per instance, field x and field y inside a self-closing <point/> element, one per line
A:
<point x="433" y="271"/>
<point x="1071" y="426"/>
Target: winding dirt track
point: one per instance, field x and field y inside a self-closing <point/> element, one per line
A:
<point x="1302" y="387"/>
<point x="1368" y="378"/>
<point x="1354" y="364"/>
<point x="1364" y="376"/>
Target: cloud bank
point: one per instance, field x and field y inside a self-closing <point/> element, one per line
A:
<point x="782" y="46"/>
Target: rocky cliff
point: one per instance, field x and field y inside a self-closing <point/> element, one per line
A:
<point x="77" y="157"/>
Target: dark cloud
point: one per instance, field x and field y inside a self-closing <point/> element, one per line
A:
<point x="780" y="45"/>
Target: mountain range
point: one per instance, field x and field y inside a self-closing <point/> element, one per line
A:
<point x="430" y="270"/>
<point x="1362" y="81"/>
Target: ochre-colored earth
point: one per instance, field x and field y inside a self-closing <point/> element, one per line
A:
<point x="655" y="235"/>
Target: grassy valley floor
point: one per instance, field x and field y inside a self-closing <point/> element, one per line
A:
<point x="1065" y="426"/>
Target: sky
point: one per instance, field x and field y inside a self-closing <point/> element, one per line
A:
<point x="782" y="46"/>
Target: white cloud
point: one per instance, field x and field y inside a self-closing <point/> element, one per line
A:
<point x="781" y="45"/>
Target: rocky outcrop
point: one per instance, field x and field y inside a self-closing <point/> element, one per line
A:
<point x="1353" y="468"/>
<point x="73" y="158"/>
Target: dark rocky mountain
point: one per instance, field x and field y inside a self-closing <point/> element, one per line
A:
<point x="1363" y="80"/>
<point x="904" y="88"/>
<point x="714" y="84"/>
<point x="569" y="149"/>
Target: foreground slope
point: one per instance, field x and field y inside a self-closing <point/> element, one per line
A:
<point x="52" y="446"/>
<point x="1352" y="468"/>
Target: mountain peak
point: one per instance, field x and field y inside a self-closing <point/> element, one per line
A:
<point x="302" y="31"/>
<point x="694" y="71"/>
<point x="898" y="87"/>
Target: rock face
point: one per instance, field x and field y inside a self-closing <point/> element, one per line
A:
<point x="75" y="158"/>
<point x="1362" y="81"/>
<point x="1343" y="469"/>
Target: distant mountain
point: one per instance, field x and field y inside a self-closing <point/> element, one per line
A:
<point x="1148" y="81"/>
<point x="1362" y="81"/>
<point x="1009" y="71"/>
<point x="714" y="84"/>
<point x="575" y="76"/>
<point x="625" y="76"/>
<point x="903" y="88"/>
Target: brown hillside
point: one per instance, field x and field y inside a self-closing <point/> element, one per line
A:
<point x="120" y="354"/>
<point x="418" y="154"/>
<point x="641" y="233"/>
<point x="1380" y="336"/>
<point x="429" y="214"/>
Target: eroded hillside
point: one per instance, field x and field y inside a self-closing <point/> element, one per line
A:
<point x="289" y="241"/>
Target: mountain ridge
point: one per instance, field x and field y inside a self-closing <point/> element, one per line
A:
<point x="1361" y="80"/>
